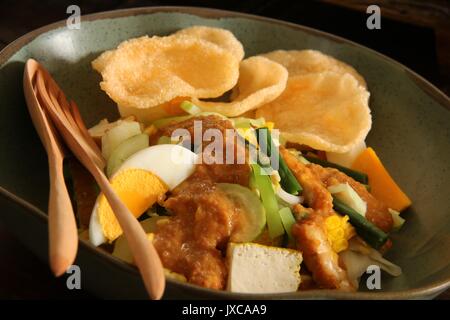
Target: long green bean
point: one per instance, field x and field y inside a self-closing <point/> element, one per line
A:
<point x="364" y="228"/>
<point x="288" y="180"/>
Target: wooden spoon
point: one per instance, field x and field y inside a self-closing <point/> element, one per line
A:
<point x="62" y="228"/>
<point x="144" y="253"/>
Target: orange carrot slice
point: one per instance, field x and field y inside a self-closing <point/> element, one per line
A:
<point x="383" y="187"/>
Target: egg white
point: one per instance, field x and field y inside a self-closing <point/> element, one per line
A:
<point x="171" y="163"/>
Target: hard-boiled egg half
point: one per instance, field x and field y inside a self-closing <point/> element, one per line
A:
<point x="139" y="182"/>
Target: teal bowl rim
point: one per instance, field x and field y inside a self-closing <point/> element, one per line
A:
<point x="441" y="98"/>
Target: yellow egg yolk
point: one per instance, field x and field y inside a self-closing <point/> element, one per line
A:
<point x="339" y="231"/>
<point x="138" y="189"/>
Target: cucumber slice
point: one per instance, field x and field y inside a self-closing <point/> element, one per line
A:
<point x="116" y="135"/>
<point x="121" y="248"/>
<point x="149" y="225"/>
<point x="124" y="150"/>
<point x="254" y="216"/>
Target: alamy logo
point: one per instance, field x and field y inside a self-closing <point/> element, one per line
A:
<point x="373" y="281"/>
<point x="74" y="279"/>
<point x="74" y="20"/>
<point x="374" y="20"/>
<point x="228" y="147"/>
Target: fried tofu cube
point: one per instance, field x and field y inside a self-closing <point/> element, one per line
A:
<point x="255" y="268"/>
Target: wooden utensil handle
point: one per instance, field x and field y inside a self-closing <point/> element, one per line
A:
<point x="144" y="253"/>
<point x="63" y="236"/>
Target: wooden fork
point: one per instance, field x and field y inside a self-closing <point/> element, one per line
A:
<point x="62" y="228"/>
<point x="71" y="129"/>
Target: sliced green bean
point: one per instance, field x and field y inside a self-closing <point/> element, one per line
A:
<point x="373" y="235"/>
<point x="357" y="175"/>
<point x="288" y="180"/>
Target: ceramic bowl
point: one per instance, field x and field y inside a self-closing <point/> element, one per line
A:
<point x="411" y="134"/>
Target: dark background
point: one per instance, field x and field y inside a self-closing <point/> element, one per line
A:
<point x="414" y="32"/>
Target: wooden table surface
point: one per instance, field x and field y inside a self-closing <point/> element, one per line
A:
<point x="23" y="276"/>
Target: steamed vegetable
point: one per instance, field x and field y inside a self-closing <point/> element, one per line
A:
<point x="288" y="181"/>
<point x="357" y="175"/>
<point x="250" y="207"/>
<point x="288" y="198"/>
<point x="383" y="186"/>
<point x="124" y="150"/>
<point x="397" y="220"/>
<point x="345" y="193"/>
<point x="263" y="184"/>
<point x="100" y="129"/>
<point x="365" y="229"/>
<point x="288" y="220"/>
<point x="248" y="134"/>
<point x="114" y="136"/>
<point x="358" y="257"/>
<point x="190" y="108"/>
<point x="246" y="123"/>
<point x="121" y="248"/>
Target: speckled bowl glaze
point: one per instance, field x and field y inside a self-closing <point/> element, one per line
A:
<point x="411" y="133"/>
